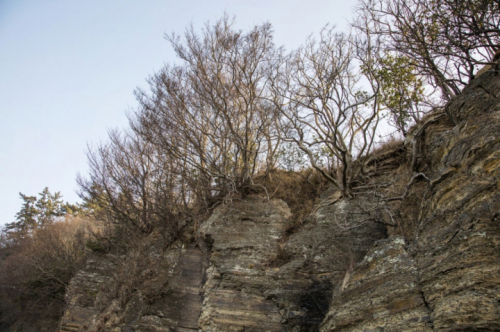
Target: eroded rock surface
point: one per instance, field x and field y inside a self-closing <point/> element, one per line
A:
<point x="259" y="281"/>
<point x="381" y="294"/>
<point x="243" y="237"/>
<point x="83" y="295"/>
<point x="458" y="240"/>
<point x="447" y="277"/>
<point x="104" y="296"/>
<point x="430" y="261"/>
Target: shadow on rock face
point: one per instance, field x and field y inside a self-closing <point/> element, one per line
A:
<point x="315" y="302"/>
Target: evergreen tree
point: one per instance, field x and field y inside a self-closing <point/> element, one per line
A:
<point x="49" y="207"/>
<point x="38" y="212"/>
<point x="26" y="218"/>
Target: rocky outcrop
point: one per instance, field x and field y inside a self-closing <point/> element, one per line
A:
<point x="82" y="297"/>
<point x="401" y="255"/>
<point x="245" y="273"/>
<point x="243" y="238"/>
<point x="457" y="245"/>
<point x="381" y="294"/>
<point x="136" y="292"/>
<point x="259" y="281"/>
<point x="446" y="277"/>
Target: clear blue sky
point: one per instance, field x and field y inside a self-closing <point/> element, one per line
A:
<point x="68" y="70"/>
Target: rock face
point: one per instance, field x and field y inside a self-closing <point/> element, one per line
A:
<point x="243" y="238"/>
<point x="82" y="296"/>
<point x="427" y="261"/>
<point x="259" y="281"/>
<point x="447" y="277"/>
<point x="381" y="294"/>
<point x="457" y="241"/>
<point x="243" y="275"/>
<point x="167" y="298"/>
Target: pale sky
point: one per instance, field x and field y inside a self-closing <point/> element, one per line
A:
<point x="68" y="70"/>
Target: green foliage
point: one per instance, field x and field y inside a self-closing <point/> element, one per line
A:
<point x="402" y="89"/>
<point x="49" y="207"/>
<point x="447" y="40"/>
<point x="39" y="212"/>
<point x="26" y="218"/>
<point x="95" y="203"/>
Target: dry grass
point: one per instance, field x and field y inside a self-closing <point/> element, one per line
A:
<point x="390" y="144"/>
<point x="298" y="189"/>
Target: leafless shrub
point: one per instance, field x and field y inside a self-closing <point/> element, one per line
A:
<point x="35" y="271"/>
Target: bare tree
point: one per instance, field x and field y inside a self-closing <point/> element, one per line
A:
<point x="323" y="109"/>
<point x="213" y="111"/>
<point x="445" y="39"/>
<point x="35" y="272"/>
<point x="132" y="182"/>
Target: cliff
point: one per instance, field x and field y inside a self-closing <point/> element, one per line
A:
<point x="415" y="249"/>
<point x="444" y="275"/>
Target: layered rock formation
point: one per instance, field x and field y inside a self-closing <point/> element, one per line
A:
<point x="249" y="276"/>
<point x="258" y="281"/>
<point x="401" y="255"/>
<point x="382" y="294"/>
<point x="446" y="278"/>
